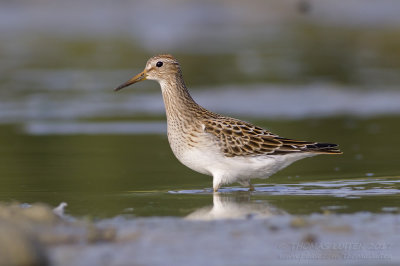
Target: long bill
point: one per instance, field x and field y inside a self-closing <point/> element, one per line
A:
<point x="139" y="77"/>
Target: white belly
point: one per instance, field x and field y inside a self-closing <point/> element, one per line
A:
<point x="207" y="158"/>
<point x="233" y="169"/>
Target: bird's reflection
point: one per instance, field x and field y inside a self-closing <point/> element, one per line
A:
<point x="235" y="206"/>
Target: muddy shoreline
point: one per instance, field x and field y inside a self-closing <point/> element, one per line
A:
<point x="36" y="235"/>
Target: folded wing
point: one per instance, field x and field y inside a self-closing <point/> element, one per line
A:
<point x="239" y="138"/>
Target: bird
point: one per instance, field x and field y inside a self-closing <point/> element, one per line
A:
<point x="228" y="149"/>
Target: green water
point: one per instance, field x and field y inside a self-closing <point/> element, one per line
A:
<point x="53" y="72"/>
<point x="108" y="175"/>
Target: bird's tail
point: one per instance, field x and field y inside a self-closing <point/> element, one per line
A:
<point x="323" y="148"/>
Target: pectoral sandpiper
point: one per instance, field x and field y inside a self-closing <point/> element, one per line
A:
<point x="228" y="149"/>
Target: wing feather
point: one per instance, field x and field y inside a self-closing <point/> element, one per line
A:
<point x="239" y="138"/>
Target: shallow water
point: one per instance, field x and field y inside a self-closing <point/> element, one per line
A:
<point x="102" y="174"/>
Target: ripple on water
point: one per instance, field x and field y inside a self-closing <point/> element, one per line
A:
<point x="337" y="188"/>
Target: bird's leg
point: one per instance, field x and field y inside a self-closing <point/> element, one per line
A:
<point x="217" y="182"/>
<point x="247" y="183"/>
<point x="215" y="188"/>
<point x="251" y="187"/>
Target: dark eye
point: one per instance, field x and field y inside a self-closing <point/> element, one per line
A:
<point x="159" y="64"/>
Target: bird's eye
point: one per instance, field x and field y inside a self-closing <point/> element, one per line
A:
<point x="159" y="64"/>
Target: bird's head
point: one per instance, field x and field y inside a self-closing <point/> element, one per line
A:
<point x="160" y="68"/>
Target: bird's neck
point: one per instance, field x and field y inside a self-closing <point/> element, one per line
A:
<point x="179" y="105"/>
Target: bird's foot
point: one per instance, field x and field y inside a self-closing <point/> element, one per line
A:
<point x="251" y="187"/>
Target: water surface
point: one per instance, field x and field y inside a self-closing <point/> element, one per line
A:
<point x="66" y="136"/>
<point x="105" y="174"/>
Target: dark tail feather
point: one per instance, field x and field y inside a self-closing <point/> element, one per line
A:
<point x="327" y="148"/>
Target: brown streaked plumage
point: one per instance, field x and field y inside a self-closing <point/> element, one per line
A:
<point x="229" y="149"/>
<point x="238" y="138"/>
